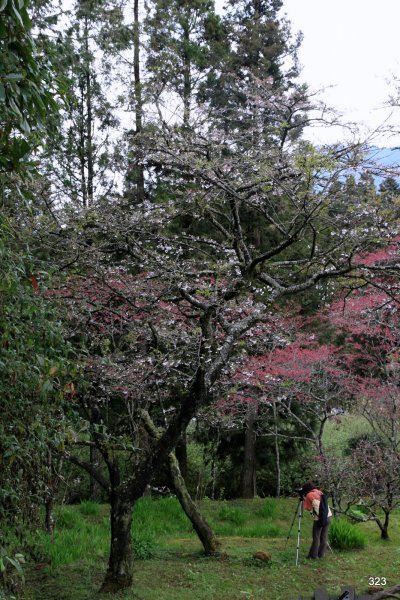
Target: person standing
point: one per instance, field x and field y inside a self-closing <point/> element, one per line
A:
<point x="315" y="502"/>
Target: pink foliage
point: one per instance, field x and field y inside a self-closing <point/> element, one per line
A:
<point x="381" y="255"/>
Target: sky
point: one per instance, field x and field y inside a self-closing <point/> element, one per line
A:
<point x="354" y="46"/>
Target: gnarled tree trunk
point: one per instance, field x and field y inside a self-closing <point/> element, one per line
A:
<point x="120" y="564"/>
<point x="384" y="527"/>
<point x="200" y="525"/>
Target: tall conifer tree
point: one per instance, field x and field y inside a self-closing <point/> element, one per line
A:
<point x="185" y="40"/>
<point x="79" y="155"/>
<point x="261" y="40"/>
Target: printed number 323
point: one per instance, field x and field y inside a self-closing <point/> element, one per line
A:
<point x="376" y="580"/>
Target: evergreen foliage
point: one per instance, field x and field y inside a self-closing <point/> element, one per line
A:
<point x="26" y="92"/>
<point x="35" y="369"/>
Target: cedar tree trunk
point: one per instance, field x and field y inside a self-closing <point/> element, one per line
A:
<point x="249" y="459"/>
<point x="138" y="168"/>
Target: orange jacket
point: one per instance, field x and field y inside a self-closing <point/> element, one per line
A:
<point x="311" y="503"/>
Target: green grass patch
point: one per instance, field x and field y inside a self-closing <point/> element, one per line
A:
<point x="84" y="541"/>
<point x="67" y="517"/>
<point x="269" y="508"/>
<point x="231" y="514"/>
<point x="144" y="547"/>
<point x="345" y="536"/>
<point x="160" y="517"/>
<point x="175" y="568"/>
<point x="339" y="432"/>
<point x="263" y="530"/>
<point x="89" y="508"/>
<point x="77" y="537"/>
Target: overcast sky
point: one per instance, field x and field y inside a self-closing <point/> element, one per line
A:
<point x="353" y="45"/>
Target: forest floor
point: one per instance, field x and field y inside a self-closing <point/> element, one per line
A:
<point x="171" y="566"/>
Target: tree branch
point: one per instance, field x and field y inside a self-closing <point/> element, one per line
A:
<point x="89" y="468"/>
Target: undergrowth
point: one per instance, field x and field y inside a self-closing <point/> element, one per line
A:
<point x="345" y="536"/>
<point x="173" y="566"/>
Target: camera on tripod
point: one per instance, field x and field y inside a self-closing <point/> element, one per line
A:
<point x="300" y="492"/>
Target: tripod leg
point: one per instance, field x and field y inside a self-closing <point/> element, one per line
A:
<point x="298" y="534"/>
<point x="291" y="526"/>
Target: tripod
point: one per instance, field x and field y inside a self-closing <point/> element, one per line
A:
<point x="300" y="512"/>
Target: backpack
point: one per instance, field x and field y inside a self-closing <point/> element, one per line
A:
<point x="323" y="512"/>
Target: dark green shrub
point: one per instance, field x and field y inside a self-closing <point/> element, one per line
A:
<point x="345" y="536"/>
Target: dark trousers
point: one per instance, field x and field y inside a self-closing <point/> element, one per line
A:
<point x="320" y="540"/>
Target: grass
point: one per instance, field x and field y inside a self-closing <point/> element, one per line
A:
<point x="269" y="509"/>
<point x="74" y="560"/>
<point x="232" y="515"/>
<point x="89" y="508"/>
<point x="345" y="536"/>
<point x="341" y="430"/>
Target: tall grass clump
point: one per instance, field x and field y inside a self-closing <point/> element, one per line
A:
<point x="75" y="539"/>
<point x="269" y="509"/>
<point x="89" y="508"/>
<point x="66" y="517"/>
<point x="345" y="536"/>
<point x="231" y="514"/>
<point x="160" y="517"/>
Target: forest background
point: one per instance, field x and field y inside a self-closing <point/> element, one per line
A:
<point x="191" y="290"/>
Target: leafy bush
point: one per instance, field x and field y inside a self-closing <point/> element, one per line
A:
<point x="199" y="475"/>
<point x="11" y="573"/>
<point x="345" y="536"/>
<point x="269" y="508"/>
<point x="233" y="515"/>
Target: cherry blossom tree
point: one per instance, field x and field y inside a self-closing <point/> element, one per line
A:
<point x="367" y="322"/>
<point x="179" y="299"/>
